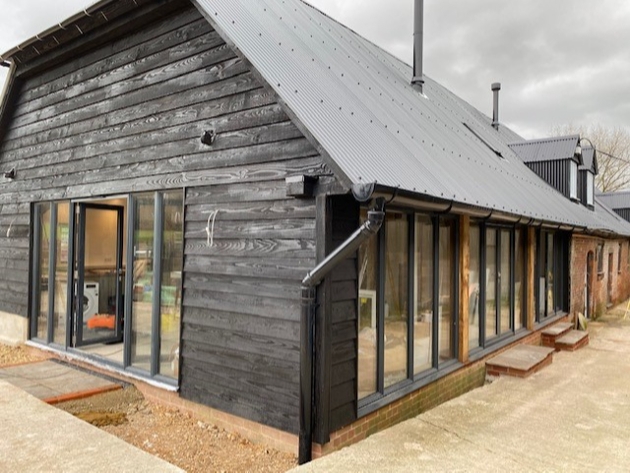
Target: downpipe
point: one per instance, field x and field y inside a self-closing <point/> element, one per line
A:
<point x="307" y="326"/>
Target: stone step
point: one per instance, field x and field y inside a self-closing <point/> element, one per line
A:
<point x="573" y="340"/>
<point x="551" y="334"/>
<point x="520" y="361"/>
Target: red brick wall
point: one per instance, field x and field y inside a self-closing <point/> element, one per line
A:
<point x="580" y="246"/>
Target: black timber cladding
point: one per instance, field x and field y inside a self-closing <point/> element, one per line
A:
<point x="623" y="213"/>
<point x="344" y="319"/>
<point x="336" y="382"/>
<point x="126" y="116"/>
<point x="555" y="173"/>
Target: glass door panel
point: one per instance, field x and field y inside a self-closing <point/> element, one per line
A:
<point x="62" y="245"/>
<point x="143" y="293"/>
<point x="98" y="305"/>
<point x="505" y="283"/>
<point x="171" y="279"/>
<point x="41" y="284"/>
<point x="491" y="284"/>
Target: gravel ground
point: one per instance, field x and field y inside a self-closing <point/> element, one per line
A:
<point x="13" y="355"/>
<point x="166" y="433"/>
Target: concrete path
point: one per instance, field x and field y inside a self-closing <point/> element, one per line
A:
<point x="573" y="416"/>
<point x="36" y="437"/>
<point x="53" y="381"/>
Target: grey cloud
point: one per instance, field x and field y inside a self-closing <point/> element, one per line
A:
<point x="560" y="61"/>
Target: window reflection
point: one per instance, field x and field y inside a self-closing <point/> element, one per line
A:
<point x="519" y="279"/>
<point x="446" y="308"/>
<point x="396" y="297"/>
<point x="368" y="283"/>
<point x="505" y="281"/>
<point x="550" y="275"/>
<point x="143" y="238"/>
<point x="170" y="301"/>
<point x="61" y="272"/>
<point x="473" y="285"/>
<point x="423" y="316"/>
<point x="42" y="242"/>
<point x="491" y="283"/>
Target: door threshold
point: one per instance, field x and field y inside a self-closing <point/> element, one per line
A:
<point x="77" y="356"/>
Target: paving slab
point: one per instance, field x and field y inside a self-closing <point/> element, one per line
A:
<point x="521" y="357"/>
<point x="37" y="437"/>
<point x="557" y="329"/>
<point x="572" y="416"/>
<point x="53" y="381"/>
<point x="573" y="337"/>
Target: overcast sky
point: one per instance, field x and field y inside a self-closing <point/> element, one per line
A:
<point x="559" y="61"/>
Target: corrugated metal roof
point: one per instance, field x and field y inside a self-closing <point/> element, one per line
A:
<point x="615" y="200"/>
<point x="357" y="101"/>
<point x="608" y="218"/>
<point x="547" y="149"/>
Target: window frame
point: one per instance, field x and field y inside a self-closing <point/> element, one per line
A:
<point x="573" y="180"/>
<point x="368" y="402"/>
<point x="590" y="189"/>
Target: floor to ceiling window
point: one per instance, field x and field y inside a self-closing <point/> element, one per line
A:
<point x="96" y="253"/>
<point x="407" y="301"/>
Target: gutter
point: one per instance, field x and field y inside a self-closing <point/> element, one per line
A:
<point x="87" y="12"/>
<point x="307" y="326"/>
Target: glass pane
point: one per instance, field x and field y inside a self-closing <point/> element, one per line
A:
<point x="172" y="254"/>
<point x="423" y="316"/>
<point x="473" y="286"/>
<point x="61" y="273"/>
<point x="368" y="282"/>
<point x="446" y="305"/>
<point x="550" y="276"/>
<point x="42" y="216"/>
<point x="101" y="278"/>
<point x="491" y="283"/>
<point x="506" y="266"/>
<point x="519" y="280"/>
<point x="144" y="205"/>
<point x="541" y="266"/>
<point x="396" y="297"/>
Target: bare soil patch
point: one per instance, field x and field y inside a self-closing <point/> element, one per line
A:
<point x="164" y="432"/>
<point x="13" y="355"/>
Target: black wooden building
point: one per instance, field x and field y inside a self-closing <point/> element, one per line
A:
<point x="174" y="169"/>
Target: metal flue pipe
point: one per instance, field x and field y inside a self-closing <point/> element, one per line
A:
<point x="496" y="87"/>
<point x="418" y="39"/>
<point x="307" y="328"/>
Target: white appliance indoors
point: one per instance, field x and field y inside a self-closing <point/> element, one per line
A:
<point x="90" y="300"/>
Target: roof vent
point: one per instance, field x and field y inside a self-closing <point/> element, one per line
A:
<point x="495" y="107"/>
<point x="418" y="79"/>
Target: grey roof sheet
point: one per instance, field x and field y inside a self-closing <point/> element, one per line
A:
<point x="608" y="218"/>
<point x="615" y="200"/>
<point x="546" y="149"/>
<point x="357" y="101"/>
<point x="589" y="160"/>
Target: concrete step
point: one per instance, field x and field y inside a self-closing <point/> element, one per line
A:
<point x="573" y="340"/>
<point x="551" y="334"/>
<point x="520" y="361"/>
